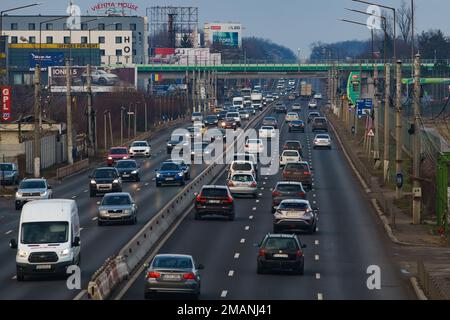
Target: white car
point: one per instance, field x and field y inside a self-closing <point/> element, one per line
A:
<point x="140" y="148"/>
<point x="235" y="116"/>
<point x="197" y="117"/>
<point x="322" y="141"/>
<point x="243" y="184"/>
<point x="102" y="78"/>
<point x="289" y="156"/>
<point x="254" y="146"/>
<point x="312" y="104"/>
<point x="292" y="116"/>
<point x="246" y="157"/>
<point x="240" y="166"/>
<point x="296" y="107"/>
<point x="267" y="132"/>
<point x="318" y="96"/>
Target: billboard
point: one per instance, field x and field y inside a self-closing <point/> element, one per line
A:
<point x="229" y="34"/>
<point x="45" y="60"/>
<point x="103" y="79"/>
<point x="6" y="103"/>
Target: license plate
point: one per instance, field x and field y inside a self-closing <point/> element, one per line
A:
<point x="43" y="267"/>
<point x="280" y="255"/>
<point x="170" y="179"/>
<point x="214" y="201"/>
<point x="125" y="175"/>
<point x="171" y="277"/>
<point x="292" y="215"/>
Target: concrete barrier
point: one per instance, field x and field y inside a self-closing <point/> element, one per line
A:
<point x="434" y="281"/>
<point x="71" y="169"/>
<point x="147" y="239"/>
<point x="107" y="277"/>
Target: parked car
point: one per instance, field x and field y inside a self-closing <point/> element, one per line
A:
<point x="280" y="252"/>
<point x="115" y="154"/>
<point x="298" y="171"/>
<point x="172" y="274"/>
<point x="117" y="208"/>
<point x="295" y="215"/>
<point x="289" y="156"/>
<point x="140" y="148"/>
<point x="287" y="190"/>
<point x="267" y="132"/>
<point x="243" y="184"/>
<point x="128" y="170"/>
<point x="170" y="173"/>
<point x="320" y="124"/>
<point x="105" y="180"/>
<point x="214" y="200"/>
<point x="297" y="125"/>
<point x="32" y="189"/>
<point x="322" y="141"/>
<point x="9" y="173"/>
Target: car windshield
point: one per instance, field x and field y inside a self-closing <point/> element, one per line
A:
<point x="44" y="232"/>
<point x="281" y="244"/>
<point x="6" y="167"/>
<point x="105" y="174"/>
<point x="172" y="263"/>
<point x="269" y="119"/>
<point x="322" y="136"/>
<point x="242" y="178"/>
<point x="242" y="167"/>
<point x="139" y="144"/>
<point x="233" y="115"/>
<point x="297" y="122"/>
<point x="293" y="205"/>
<point x="290" y="154"/>
<point x="289" y="188"/>
<point x="197" y="114"/>
<point x="32" y="185"/>
<point x="297" y="166"/>
<point x="267" y="128"/>
<point x="215" y="192"/>
<point x="313" y="114"/>
<point x="294" y="145"/>
<point x="118" y="151"/>
<point x="170" y="167"/>
<point x="111" y="200"/>
<point x="211" y="118"/>
<point x="126" y="164"/>
<point x="320" y="120"/>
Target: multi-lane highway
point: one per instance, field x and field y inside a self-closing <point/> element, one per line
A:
<point x="348" y="241"/>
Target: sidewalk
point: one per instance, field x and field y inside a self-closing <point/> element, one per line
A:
<point x="420" y="249"/>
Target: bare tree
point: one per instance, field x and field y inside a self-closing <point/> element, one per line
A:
<point x="404" y="21"/>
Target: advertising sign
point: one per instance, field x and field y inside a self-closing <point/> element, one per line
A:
<point x="103" y="79"/>
<point x="6" y="103"/>
<point x="226" y="38"/>
<point x="114" y="7"/>
<point x="228" y="34"/>
<point x="46" y="60"/>
<point x="364" y="107"/>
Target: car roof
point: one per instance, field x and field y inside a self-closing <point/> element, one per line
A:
<point x="281" y="235"/>
<point x="34" y="179"/>
<point x="168" y="255"/>
<point x="214" y="187"/>
<point x="127" y="160"/>
<point x="105" y="168"/>
<point x="52" y="210"/>
<point x="295" y="201"/>
<point x="117" y="194"/>
<point x="292" y="141"/>
<point x="241" y="162"/>
<point x="140" y="141"/>
<point x="289" y="183"/>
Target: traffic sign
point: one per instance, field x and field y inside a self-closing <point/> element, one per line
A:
<point x="371" y="133"/>
<point x="364" y="106"/>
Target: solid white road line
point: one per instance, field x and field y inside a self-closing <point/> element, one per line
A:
<point x="94" y="218"/>
<point x="231" y="273"/>
<point x="80" y="295"/>
<point x="224" y="294"/>
<point x="317" y="276"/>
<point x="236" y="255"/>
<point x="316" y="242"/>
<point x="8" y="232"/>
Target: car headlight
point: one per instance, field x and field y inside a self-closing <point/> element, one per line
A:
<point x="93" y="182"/>
<point x="180" y="174"/>
<point x="109" y="158"/>
<point x="134" y="172"/>
<point x="64" y="252"/>
<point x="125" y="158"/>
<point x="22" y="254"/>
<point x="43" y="193"/>
<point x="158" y="175"/>
<point x="127" y="211"/>
<point x="18" y="195"/>
<point x="103" y="212"/>
<point x="116" y="181"/>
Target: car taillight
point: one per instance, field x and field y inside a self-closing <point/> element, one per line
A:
<point x="153" y="275"/>
<point x="189" y="276"/>
<point x="306" y="173"/>
<point x="228" y="200"/>
<point x="200" y="199"/>
<point x="276" y="194"/>
<point x="262" y="253"/>
<point x="246" y="145"/>
<point x="302" y="194"/>
<point x="299" y="253"/>
<point x="253" y="185"/>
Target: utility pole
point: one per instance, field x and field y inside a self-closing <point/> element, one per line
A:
<point x="417" y="190"/>
<point x="376" y="154"/>
<point x="37" y="129"/>
<point x="121" y="125"/>
<point x="129" y="121"/>
<point x="105" y="129"/>
<point x="387" y="106"/>
<point x="193" y="93"/>
<point x="69" y="112"/>
<point x="146" y="120"/>
<point x="91" y="138"/>
<point x="135" y="119"/>
<point x="398" y="128"/>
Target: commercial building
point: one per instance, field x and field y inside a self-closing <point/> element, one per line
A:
<point x="228" y="34"/>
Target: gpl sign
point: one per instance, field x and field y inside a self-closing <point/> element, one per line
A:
<point x="6" y="103"/>
<point x="365" y="107"/>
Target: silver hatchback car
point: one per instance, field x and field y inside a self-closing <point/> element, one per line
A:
<point x="172" y="274"/>
<point x="32" y="189"/>
<point x="243" y="184"/>
<point x="117" y="207"/>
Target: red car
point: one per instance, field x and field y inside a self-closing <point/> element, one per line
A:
<point x="115" y="154"/>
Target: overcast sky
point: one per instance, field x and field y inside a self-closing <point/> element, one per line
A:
<point x="293" y="23"/>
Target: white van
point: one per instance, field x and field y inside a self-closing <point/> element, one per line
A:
<point x="238" y="102"/>
<point x="49" y="238"/>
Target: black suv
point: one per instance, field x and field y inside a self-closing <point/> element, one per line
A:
<point x="287" y="190"/>
<point x="312" y="115"/>
<point x="214" y="200"/>
<point x="320" y="124"/>
<point x="281" y="108"/>
<point x="105" y="180"/>
<point x="280" y="252"/>
<point x="128" y="170"/>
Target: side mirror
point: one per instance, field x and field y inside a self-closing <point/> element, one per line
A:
<point x="200" y="267"/>
<point x="304" y="246"/>
<point x="90" y="176"/>
<point x="146" y="265"/>
<point x="16" y="189"/>
<point x="13" y="244"/>
<point x="76" y="242"/>
<point x="49" y="187"/>
<point x="195" y="194"/>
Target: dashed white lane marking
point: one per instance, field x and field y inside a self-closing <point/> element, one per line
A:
<point x="98" y="202"/>
<point x="231" y="273"/>
<point x="257" y="201"/>
<point x="251" y="217"/>
<point x="74" y="197"/>
<point x="316" y="242"/>
<point x="153" y="179"/>
<point x="317" y="276"/>
<point x="314" y="195"/>
<point x="14" y="278"/>
<point x="8" y="232"/>
<point x="236" y="255"/>
<point x="146" y="184"/>
<point x="314" y="202"/>
<point x="317" y="229"/>
<point x="265" y="178"/>
<point x="264" y="183"/>
<point x="319" y="296"/>
<point x="94" y="218"/>
<point x="254" y="209"/>
<point x="247" y="228"/>
<point x="81" y="229"/>
<point x="242" y="240"/>
<point x="262" y="188"/>
<point x="224" y="294"/>
<point x="86" y="191"/>
<point x="316" y="257"/>
<point x="138" y="189"/>
<point x="260" y="194"/>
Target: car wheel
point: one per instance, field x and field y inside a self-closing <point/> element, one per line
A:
<point x="18" y="207"/>
<point x="92" y="194"/>
<point x="260" y="270"/>
<point x="19" y="276"/>
<point x="232" y="216"/>
<point x="301" y="270"/>
<point x="102" y="81"/>
<point x="198" y="216"/>
<point x="138" y="179"/>
<point x="158" y="184"/>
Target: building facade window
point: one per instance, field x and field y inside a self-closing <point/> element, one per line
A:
<point x="101" y="39"/>
<point x="31" y="39"/>
<point x="66" y="40"/>
<point x="84" y="26"/>
<point x="49" y="40"/>
<point x="65" y="26"/>
<point x="118" y="26"/>
<point x="133" y="26"/>
<point x="14" y="39"/>
<point x="118" y="39"/>
<point x="102" y="52"/>
<point x="101" y="26"/>
<point x="14" y="26"/>
<point x="84" y="39"/>
<point x="134" y="52"/>
<point x="118" y="52"/>
<point x="31" y="26"/>
<point x="49" y="26"/>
